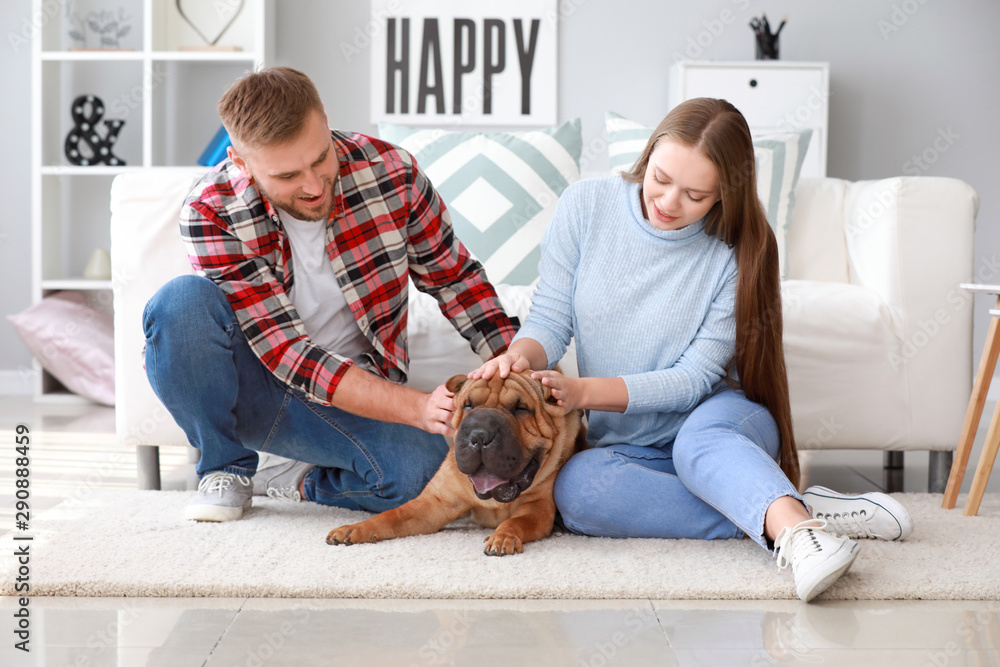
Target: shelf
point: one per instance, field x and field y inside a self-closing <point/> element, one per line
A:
<point x="95" y="55"/>
<point x="164" y="93"/>
<point x="96" y="170"/>
<point x="101" y="170"/>
<point x="78" y="284"/>
<point x="130" y="56"/>
<point x="209" y="56"/>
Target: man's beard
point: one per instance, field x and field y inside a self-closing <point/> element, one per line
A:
<point x="292" y="207"/>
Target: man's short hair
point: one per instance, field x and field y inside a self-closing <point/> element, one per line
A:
<point x="268" y="107"/>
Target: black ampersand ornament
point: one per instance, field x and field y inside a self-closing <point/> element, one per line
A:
<point x="85" y="131"/>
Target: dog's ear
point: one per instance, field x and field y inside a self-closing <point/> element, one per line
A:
<point x="455" y="383"/>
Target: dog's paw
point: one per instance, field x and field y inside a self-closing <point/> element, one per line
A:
<point x="503" y="545"/>
<point x="351" y="534"/>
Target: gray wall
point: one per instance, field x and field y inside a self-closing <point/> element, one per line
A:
<point x="901" y="73"/>
<point x="15" y="192"/>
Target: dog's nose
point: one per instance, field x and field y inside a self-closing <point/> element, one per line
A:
<point x="480" y="438"/>
<point x="476" y="436"/>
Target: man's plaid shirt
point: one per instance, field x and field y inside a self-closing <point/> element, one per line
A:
<point x="388" y="224"/>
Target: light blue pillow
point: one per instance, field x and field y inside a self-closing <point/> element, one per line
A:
<point x="778" y="159"/>
<point x="500" y="188"/>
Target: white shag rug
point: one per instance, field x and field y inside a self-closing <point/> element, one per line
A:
<point x="134" y="543"/>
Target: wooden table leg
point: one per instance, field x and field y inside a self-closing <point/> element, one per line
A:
<point x="972" y="416"/>
<point x="986" y="460"/>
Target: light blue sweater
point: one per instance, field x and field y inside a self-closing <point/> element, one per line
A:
<point x="651" y="306"/>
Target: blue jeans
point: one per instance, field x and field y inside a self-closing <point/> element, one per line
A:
<point x="714" y="481"/>
<point x="231" y="407"/>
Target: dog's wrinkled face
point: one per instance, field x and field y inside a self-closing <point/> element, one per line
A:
<point x="503" y="431"/>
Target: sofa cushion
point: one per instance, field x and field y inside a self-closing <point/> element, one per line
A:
<point x="778" y="159"/>
<point x="501" y="188"/>
<point x="839" y="344"/>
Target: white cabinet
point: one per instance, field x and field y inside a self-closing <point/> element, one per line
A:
<point x="772" y="95"/>
<point x="159" y="81"/>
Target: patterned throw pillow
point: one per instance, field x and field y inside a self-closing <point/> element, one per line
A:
<point x="500" y="188"/>
<point x="778" y="159"/>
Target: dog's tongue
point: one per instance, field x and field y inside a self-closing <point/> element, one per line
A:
<point x="485" y="481"/>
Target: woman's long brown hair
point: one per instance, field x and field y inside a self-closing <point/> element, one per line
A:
<point x="719" y="131"/>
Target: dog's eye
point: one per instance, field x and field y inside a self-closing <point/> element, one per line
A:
<point x="522" y="409"/>
<point x="467" y="406"/>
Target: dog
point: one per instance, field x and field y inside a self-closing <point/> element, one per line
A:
<point x="511" y="438"/>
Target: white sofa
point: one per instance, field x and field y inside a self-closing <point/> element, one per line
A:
<point x="878" y="335"/>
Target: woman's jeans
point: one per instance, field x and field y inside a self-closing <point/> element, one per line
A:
<point x="714" y="481"/>
<point x="231" y="407"/>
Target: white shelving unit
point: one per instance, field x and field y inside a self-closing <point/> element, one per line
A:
<point x="773" y="95"/>
<point x="163" y="83"/>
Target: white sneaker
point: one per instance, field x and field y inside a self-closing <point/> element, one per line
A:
<point x="278" y="477"/>
<point x="222" y="496"/>
<point x="869" y="515"/>
<point x="817" y="558"/>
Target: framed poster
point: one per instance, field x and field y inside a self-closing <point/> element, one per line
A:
<point x="476" y="63"/>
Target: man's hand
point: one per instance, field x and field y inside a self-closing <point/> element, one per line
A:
<point x="438" y="410"/>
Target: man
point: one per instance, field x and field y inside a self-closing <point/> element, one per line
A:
<point x="291" y="341"/>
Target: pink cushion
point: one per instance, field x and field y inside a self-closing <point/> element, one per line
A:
<point x="73" y="341"/>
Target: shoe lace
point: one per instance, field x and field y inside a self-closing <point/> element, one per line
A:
<point x="796" y="540"/>
<point x="853" y="524"/>
<point x="284" y="493"/>
<point x="220" y="481"/>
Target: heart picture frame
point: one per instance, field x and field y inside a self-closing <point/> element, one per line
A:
<point x="196" y="14"/>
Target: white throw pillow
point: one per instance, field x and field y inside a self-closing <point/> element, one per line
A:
<point x="778" y="159"/>
<point x="501" y="188"/>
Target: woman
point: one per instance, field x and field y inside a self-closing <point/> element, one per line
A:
<point x="667" y="277"/>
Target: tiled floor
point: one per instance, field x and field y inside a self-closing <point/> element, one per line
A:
<point x="73" y="452"/>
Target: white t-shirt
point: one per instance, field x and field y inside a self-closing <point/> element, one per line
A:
<point x="316" y="295"/>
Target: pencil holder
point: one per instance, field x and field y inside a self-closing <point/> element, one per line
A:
<point x="765" y="41"/>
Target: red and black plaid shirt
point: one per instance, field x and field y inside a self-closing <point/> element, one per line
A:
<point x="388" y="223"/>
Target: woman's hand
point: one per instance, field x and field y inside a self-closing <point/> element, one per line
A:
<point x="604" y="394"/>
<point x="438" y="411"/>
<point x="569" y="392"/>
<point x="502" y="364"/>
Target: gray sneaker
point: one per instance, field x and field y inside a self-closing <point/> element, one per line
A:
<point x="222" y="496"/>
<point x="278" y="477"/>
